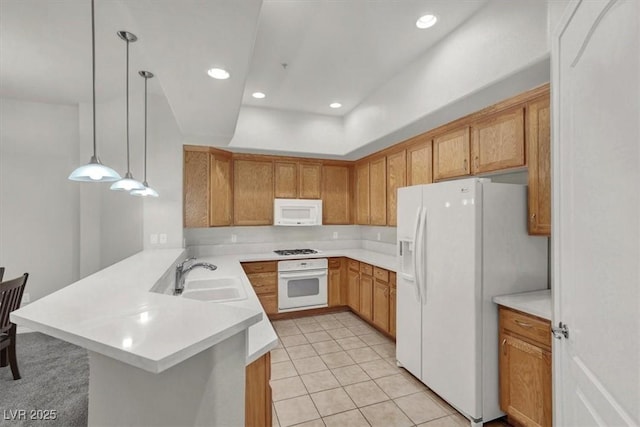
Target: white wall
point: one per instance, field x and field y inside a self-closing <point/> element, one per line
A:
<point x="39" y="212"/>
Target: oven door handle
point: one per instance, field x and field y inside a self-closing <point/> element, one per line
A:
<point x="303" y="275"/>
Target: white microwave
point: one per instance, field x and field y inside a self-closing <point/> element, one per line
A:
<point x="297" y="212"/>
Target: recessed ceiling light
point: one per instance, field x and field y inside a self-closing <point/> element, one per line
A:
<point x="335" y="105"/>
<point x="258" y="95"/>
<point x="218" y="73"/>
<point x="426" y="21"/>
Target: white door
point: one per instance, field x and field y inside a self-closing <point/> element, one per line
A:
<point x="409" y="310"/>
<point x="596" y="214"/>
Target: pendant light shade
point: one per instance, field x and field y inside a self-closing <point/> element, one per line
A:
<point x="94" y="171"/>
<point x="147" y="191"/>
<point x="127" y="183"/>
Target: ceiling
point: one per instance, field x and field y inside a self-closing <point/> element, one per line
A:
<point x="339" y="50"/>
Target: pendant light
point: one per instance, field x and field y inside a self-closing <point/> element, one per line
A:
<point x="148" y="191"/>
<point x="127" y="183"/>
<point x="94" y="171"/>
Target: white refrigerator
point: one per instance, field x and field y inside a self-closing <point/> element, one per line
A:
<point x="459" y="244"/>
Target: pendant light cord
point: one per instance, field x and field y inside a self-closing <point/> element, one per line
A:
<point x="145" y="129"/>
<point x="93" y="75"/>
<point x="127" y="80"/>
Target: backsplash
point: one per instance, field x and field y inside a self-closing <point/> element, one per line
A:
<point x="230" y="240"/>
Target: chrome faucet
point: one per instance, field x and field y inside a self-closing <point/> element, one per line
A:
<point x="181" y="271"/>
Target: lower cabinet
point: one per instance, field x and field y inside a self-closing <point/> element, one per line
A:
<point x="337" y="291"/>
<point x="381" y="298"/>
<point x="263" y="276"/>
<point x="525" y="368"/>
<point x="257" y="408"/>
<point x="353" y="286"/>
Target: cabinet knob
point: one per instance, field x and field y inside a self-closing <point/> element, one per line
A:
<point x="465" y="164"/>
<point x="532" y="218"/>
<point x="504" y="349"/>
<point x="476" y="162"/>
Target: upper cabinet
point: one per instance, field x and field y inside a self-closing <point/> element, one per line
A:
<point x="336" y="194"/>
<point x="310" y="180"/>
<point x="297" y="180"/>
<point x="221" y="189"/>
<point x="196" y="187"/>
<point x="451" y="154"/>
<point x="396" y="178"/>
<point x="420" y="161"/>
<point x="362" y="193"/>
<point x="378" y="191"/>
<point x="253" y="192"/>
<point x="498" y="142"/>
<point x="539" y="154"/>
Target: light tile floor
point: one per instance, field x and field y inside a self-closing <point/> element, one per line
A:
<point x="336" y="370"/>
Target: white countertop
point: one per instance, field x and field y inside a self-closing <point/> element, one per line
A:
<point x="537" y="303"/>
<point x="113" y="312"/>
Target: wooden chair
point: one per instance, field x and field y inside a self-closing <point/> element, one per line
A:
<point x="10" y="297"/>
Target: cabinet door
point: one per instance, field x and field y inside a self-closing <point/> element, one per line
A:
<point x="221" y="195"/>
<point x="286" y="179"/>
<point x="378" y="191"/>
<point x="539" y="159"/>
<point x="366" y="297"/>
<point x="362" y="193"/>
<point x="196" y="188"/>
<point x="381" y="305"/>
<point x="420" y="163"/>
<point x="253" y="192"/>
<point x="498" y="142"/>
<point x="335" y="279"/>
<point x="258" y="392"/>
<point x="392" y="312"/>
<point x="451" y="155"/>
<point x="310" y="179"/>
<point x="335" y="195"/>
<point x="525" y="381"/>
<point x="396" y="178"/>
<point x="353" y="295"/>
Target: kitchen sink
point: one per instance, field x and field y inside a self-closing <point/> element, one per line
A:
<point x="221" y="289"/>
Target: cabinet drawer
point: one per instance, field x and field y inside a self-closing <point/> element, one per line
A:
<point x="335" y="263"/>
<point x="381" y="274"/>
<point x="354" y="265"/>
<point x="259" y="267"/>
<point x="366" y="269"/>
<point x="264" y="283"/>
<point x="537" y="330"/>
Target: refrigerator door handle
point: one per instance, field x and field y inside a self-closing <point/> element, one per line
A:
<point x="424" y="256"/>
<point x="419" y="243"/>
<point x="416" y="236"/>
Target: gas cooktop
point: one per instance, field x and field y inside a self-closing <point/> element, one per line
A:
<point x="295" y="251"/>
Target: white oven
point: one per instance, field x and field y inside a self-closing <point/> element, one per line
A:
<point x="302" y="284"/>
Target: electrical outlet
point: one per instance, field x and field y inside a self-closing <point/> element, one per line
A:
<point x="163" y="239"/>
<point x="26" y="298"/>
<point x="234" y="238"/>
<point x="335" y="234"/>
<point x="378" y="236"/>
<point x="153" y="239"/>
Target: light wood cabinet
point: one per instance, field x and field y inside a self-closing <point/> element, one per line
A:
<point x="498" y="142"/>
<point x="396" y="178"/>
<point x="353" y="290"/>
<point x="378" y="191"/>
<point x="451" y="154"/>
<point x="258" y="393"/>
<point x="196" y="187"/>
<point x="263" y="276"/>
<point x="366" y="297"/>
<point x="253" y="192"/>
<point x="221" y="190"/>
<point x="525" y="368"/>
<point x="286" y="179"/>
<point x="337" y="294"/>
<point x="309" y="180"/>
<point x="420" y="162"/>
<point x="381" y="299"/>
<point x="392" y="304"/>
<point x="539" y="160"/>
<point x="336" y="195"/>
<point x="362" y="193"/>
